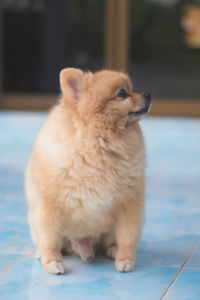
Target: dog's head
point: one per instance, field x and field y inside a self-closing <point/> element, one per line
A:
<point x="105" y="95"/>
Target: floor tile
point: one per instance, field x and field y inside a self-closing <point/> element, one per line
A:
<point x="194" y="261"/>
<point x="96" y="280"/>
<point x="187" y="284"/>
<point x="15" y="236"/>
<point x="17" y="134"/>
<point x="14" y="231"/>
<point x="166" y="252"/>
<point x="7" y="260"/>
<point x="186" y="287"/>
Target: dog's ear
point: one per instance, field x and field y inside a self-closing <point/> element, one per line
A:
<point x="71" y="82"/>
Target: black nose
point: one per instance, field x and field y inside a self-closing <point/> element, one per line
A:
<point x="147" y="97"/>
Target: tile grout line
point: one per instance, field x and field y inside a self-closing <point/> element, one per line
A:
<point x="17" y="262"/>
<point x="179" y="271"/>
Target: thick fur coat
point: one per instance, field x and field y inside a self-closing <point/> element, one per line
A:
<point x="85" y="178"/>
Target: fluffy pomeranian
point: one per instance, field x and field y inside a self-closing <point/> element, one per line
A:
<point x="85" y="179"/>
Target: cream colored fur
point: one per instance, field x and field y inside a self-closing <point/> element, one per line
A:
<point x="85" y="178"/>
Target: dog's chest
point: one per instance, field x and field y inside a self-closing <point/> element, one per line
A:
<point x="91" y="189"/>
<point x="90" y="185"/>
<point x="89" y="203"/>
<point x="92" y="180"/>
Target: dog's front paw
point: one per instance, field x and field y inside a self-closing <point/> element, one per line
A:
<point x="124" y="265"/>
<point x="55" y="267"/>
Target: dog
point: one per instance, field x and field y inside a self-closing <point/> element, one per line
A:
<point x="85" y="179"/>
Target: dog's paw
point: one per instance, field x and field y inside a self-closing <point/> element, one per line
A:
<point x="124" y="265"/>
<point x="111" y="252"/>
<point x="55" y="267"/>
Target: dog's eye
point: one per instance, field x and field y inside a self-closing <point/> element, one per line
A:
<point x="123" y="94"/>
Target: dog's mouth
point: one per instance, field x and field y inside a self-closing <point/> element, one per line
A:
<point x="142" y="111"/>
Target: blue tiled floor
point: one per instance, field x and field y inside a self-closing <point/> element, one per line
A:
<point x="171" y="229"/>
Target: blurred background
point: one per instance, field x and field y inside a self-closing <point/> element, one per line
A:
<point x="156" y="41"/>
